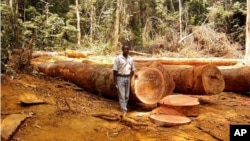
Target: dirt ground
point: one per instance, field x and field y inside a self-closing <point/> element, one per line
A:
<point x="68" y="114"/>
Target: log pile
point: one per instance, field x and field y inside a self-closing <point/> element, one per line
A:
<point x="155" y="84"/>
<point x="148" y="87"/>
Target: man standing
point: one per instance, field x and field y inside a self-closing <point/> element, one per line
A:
<point x="123" y="69"/>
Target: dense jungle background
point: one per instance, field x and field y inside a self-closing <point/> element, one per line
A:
<point x="173" y="28"/>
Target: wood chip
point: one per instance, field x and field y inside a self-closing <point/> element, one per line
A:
<point x="10" y="125"/>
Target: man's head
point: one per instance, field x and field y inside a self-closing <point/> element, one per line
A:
<point x="125" y="50"/>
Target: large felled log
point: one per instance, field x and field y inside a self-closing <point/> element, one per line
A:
<point x="148" y="87"/>
<point x="205" y="79"/>
<point x="236" y="79"/>
<point x="189" y="61"/>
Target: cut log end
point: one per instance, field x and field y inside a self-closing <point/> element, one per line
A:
<point x="179" y="100"/>
<point x="148" y="86"/>
<point x="169" y="120"/>
<point x="169" y="81"/>
<point x="212" y="80"/>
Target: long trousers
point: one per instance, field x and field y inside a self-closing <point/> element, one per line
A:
<point x="123" y="86"/>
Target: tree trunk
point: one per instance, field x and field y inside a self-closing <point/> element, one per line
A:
<point x="14" y="22"/>
<point x="92" y="22"/>
<point x="78" y="25"/>
<point x="148" y="87"/>
<point x="205" y="79"/>
<point x="180" y="18"/>
<point x="116" y="24"/>
<point x="247" y="55"/>
<point x="171" y="6"/>
<point x="236" y="79"/>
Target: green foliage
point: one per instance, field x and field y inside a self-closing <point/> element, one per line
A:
<point x="232" y="21"/>
<point x="102" y="49"/>
<point x="197" y="11"/>
<point x="141" y="22"/>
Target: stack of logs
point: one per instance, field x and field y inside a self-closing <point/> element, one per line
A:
<point x="155" y="84"/>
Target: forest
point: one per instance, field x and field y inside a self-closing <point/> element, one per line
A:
<point x="160" y="26"/>
<point x="192" y="62"/>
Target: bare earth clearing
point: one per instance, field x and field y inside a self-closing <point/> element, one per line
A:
<point x="68" y="114"/>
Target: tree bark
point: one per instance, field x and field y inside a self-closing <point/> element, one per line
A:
<point x="148" y="87"/>
<point x="236" y="79"/>
<point x="202" y="80"/>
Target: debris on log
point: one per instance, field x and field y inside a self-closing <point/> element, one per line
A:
<point x="201" y="80"/>
<point x="147" y="87"/>
<point x="169" y="120"/>
<point x="189" y="61"/>
<point x="236" y="79"/>
<point x="10" y="125"/>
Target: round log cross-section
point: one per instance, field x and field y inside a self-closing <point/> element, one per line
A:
<point x="148" y="86"/>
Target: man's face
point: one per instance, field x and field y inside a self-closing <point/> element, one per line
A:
<point x="125" y="49"/>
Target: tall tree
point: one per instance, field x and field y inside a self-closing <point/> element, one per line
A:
<point x="78" y="25"/>
<point x="180" y="17"/>
<point x="14" y="21"/>
<point x="117" y="22"/>
<point x="247" y="55"/>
